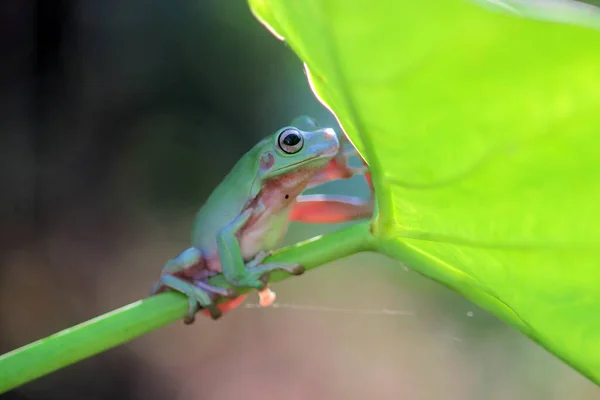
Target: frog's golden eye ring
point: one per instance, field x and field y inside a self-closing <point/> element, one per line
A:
<point x="291" y="141"/>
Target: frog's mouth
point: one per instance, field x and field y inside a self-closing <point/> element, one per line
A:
<point x="329" y="152"/>
<point x="293" y="166"/>
<point x="323" y="156"/>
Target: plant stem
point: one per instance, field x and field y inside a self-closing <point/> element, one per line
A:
<point x="119" y="326"/>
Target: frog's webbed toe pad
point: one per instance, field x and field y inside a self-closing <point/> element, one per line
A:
<point x="214" y="290"/>
<point x="258" y="259"/>
<point x="157" y="288"/>
<point x="293" y="269"/>
<point x="212" y="309"/>
<point x="262" y="272"/>
<point x="199" y="295"/>
<point x="214" y="312"/>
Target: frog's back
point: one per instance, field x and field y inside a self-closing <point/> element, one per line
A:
<point x="225" y="203"/>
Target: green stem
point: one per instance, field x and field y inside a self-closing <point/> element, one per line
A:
<point x="119" y="326"/>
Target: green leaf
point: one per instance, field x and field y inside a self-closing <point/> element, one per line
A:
<point x="481" y="130"/>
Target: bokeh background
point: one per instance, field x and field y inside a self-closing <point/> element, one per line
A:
<point x="117" y="119"/>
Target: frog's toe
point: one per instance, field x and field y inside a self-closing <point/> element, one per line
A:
<point x="215" y="312"/>
<point x="157" y="288"/>
<point x="223" y="292"/>
<point x="197" y="297"/>
<point x="190" y="316"/>
<point x="258" y="282"/>
<point x="257" y="277"/>
<point x="259" y="258"/>
<point x="261" y="273"/>
<point x="294" y="269"/>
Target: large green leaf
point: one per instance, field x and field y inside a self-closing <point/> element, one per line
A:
<point x="481" y="130"/>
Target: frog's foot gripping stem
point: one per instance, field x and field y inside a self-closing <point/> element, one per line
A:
<point x="266" y="296"/>
<point x="199" y="293"/>
<point x="257" y="277"/>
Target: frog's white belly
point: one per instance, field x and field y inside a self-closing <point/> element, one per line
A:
<point x="263" y="234"/>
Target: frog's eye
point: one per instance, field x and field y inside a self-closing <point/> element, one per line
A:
<point x="291" y="141"/>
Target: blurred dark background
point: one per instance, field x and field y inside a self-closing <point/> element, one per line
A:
<point x="117" y="119"/>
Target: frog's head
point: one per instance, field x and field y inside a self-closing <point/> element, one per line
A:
<point x="301" y="147"/>
<point x="305" y="123"/>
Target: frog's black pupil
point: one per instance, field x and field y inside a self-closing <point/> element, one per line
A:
<point x="291" y="139"/>
<point x="287" y="196"/>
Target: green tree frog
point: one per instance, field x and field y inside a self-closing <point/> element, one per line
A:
<point x="248" y="213"/>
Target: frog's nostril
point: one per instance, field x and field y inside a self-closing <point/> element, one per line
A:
<point x="329" y="134"/>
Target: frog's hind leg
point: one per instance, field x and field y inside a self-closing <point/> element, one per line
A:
<point x="199" y="293"/>
<point x="197" y="297"/>
<point x="330" y="209"/>
<point x="186" y="260"/>
<point x="339" y="168"/>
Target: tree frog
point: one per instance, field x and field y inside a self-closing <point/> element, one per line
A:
<point x="248" y="213"/>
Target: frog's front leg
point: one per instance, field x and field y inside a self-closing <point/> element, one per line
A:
<point x="329" y="209"/>
<point x="236" y="272"/>
<point x="338" y="168"/>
